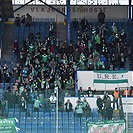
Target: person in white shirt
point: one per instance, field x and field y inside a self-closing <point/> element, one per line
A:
<point x="53" y="100"/>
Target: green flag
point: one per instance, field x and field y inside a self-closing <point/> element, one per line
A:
<point x="7" y="125"/>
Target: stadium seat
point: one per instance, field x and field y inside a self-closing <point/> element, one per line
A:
<point x="11" y="114"/>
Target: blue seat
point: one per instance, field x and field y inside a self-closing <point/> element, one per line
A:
<point x="22" y="114"/>
<point x="11" y="109"/>
<point x="34" y="130"/>
<point x="47" y="130"/>
<point x="35" y="114"/>
<point x="60" y="129"/>
<point x="22" y="130"/>
<point x="16" y="114"/>
<point x="71" y="128"/>
<point x="71" y="114"/>
<point x="41" y="114"/>
<point x="22" y="122"/>
<point x="22" y="126"/>
<point x="11" y="114"/>
<point x="40" y="130"/>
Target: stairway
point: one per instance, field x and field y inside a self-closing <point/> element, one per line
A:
<point x="8" y="39"/>
<point x="61" y="31"/>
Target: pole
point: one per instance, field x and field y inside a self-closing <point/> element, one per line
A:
<point x="126" y="113"/>
<point x="105" y="87"/>
<point x="57" y="110"/>
<point x="68" y="21"/>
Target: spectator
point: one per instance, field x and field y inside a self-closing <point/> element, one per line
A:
<point x="126" y="92"/>
<point x="11" y="100"/>
<point x="90" y="62"/>
<point x="101" y="17"/>
<point x="103" y="29"/>
<point x="109" y="109"/>
<point x="36" y="105"/>
<point x="84" y="24"/>
<point x="98" y="43"/>
<point x="131" y="91"/>
<point x="106" y="95"/>
<point x="6" y="94"/>
<point x="51" y="29"/>
<point x="75" y="24"/>
<point x="28" y="20"/>
<point x="41" y="99"/>
<point x="103" y="59"/>
<point x="22" y="20"/>
<point x="123" y="35"/>
<point x="114" y="29"/>
<point x="53" y="100"/>
<point x="90" y="92"/>
<point x="23" y="104"/>
<point x="81" y="92"/>
<point x="30" y="37"/>
<point x="76" y="55"/>
<point x="3" y="107"/>
<point x="15" y="48"/>
<point x="17" y="20"/>
<point x="86" y="107"/>
<point x="70" y="49"/>
<point x="99" y="103"/>
<point x="115" y="98"/>
<point x="68" y="106"/>
<point x="25" y="94"/>
<point x="79" y="108"/>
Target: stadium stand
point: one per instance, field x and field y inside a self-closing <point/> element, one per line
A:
<point x="43" y="63"/>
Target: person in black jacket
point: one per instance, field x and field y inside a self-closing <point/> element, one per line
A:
<point x="99" y="103"/>
<point x="101" y="17"/>
<point x="68" y="106"/>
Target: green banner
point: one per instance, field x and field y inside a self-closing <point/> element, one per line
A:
<point x="7" y="125"/>
<point x="107" y="127"/>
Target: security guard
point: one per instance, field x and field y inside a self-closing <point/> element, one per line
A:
<point x="126" y="92"/>
<point x="115" y="98"/>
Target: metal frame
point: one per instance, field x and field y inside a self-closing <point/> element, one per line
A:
<point x="74" y="2"/>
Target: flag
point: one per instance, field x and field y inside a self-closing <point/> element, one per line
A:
<point x="110" y="77"/>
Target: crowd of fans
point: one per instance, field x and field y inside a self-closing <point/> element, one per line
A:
<point x="46" y="65"/>
<point x="24" y="20"/>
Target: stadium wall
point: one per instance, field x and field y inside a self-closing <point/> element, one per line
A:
<point x="92" y="101"/>
<point x="90" y="12"/>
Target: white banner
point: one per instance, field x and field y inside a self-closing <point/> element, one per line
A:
<point x="86" y="79"/>
<point x="110" y="77"/>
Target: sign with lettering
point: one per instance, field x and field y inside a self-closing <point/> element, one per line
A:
<point x="90" y="12"/>
<point x="111" y="77"/>
<point x="107" y="127"/>
<point x="101" y="80"/>
<point x="7" y="125"/>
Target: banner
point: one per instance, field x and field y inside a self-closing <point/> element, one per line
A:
<point x="7" y="125"/>
<point x="87" y="78"/>
<point x="111" y="77"/>
<point x="107" y="127"/>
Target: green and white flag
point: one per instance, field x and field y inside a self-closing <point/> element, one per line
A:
<point x="7" y="125"/>
<point x="107" y="127"/>
<point x="110" y="77"/>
